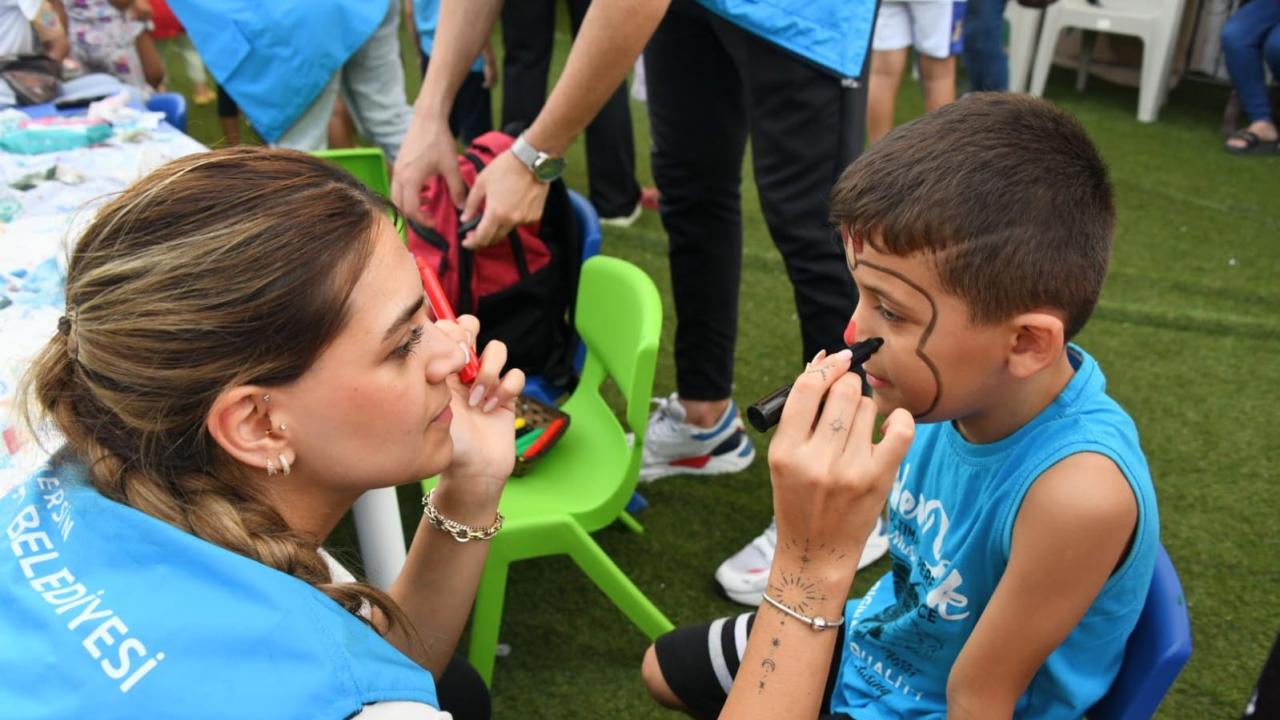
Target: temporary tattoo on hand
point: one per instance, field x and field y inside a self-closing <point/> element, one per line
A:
<point x="837" y="425"/>
<point x="819" y="370"/>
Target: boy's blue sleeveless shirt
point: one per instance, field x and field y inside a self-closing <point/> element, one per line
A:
<point x="951" y="516"/>
<point x="107" y="612"/>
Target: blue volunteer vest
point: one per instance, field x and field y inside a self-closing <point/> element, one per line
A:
<point x="107" y="612"/>
<point x="426" y="16"/>
<point x="835" y="34"/>
<point x="951" y="516"/>
<point x="275" y="56"/>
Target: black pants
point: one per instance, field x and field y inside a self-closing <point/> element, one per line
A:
<point x="462" y="692"/>
<point x="472" y="113"/>
<point x="528" y="32"/>
<point x="711" y="86"/>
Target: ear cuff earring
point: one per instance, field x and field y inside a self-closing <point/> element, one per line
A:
<point x="271" y="468"/>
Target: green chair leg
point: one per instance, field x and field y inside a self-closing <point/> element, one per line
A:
<point x="617" y="586"/>
<point x="631" y="523"/>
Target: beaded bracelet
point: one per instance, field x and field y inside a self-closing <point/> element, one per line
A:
<point x="453" y="528"/>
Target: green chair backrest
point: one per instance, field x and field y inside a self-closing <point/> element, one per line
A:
<point x="367" y="164"/>
<point x="619" y="317"/>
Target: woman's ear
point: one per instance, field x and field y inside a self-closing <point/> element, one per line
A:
<point x="240" y="422"/>
<point x="1038" y="340"/>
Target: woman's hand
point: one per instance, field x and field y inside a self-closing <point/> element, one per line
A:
<point x="483" y="428"/>
<point x="829" y="479"/>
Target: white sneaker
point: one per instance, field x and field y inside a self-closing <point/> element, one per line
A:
<point x="624" y="221"/>
<point x="745" y="575"/>
<point x="674" y="447"/>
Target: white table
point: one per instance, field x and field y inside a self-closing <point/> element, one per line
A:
<point x="34" y="247"/>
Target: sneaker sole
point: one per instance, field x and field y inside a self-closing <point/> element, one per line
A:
<point x="740" y="458"/>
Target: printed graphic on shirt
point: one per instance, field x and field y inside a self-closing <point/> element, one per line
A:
<point x="927" y="591"/>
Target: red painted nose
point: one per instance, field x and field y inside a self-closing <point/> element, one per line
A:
<point x="851" y="332"/>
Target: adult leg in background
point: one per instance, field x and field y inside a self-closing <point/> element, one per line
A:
<point x="611" y="149"/>
<point x="984" y="56"/>
<point x="805" y="126"/>
<point x="528" y="32"/>
<point x="697" y="116"/>
<point x="372" y="84"/>
<point x="1245" y="40"/>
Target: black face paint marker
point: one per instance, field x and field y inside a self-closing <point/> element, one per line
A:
<point x="767" y="411"/>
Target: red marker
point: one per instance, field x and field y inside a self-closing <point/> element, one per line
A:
<point x="440" y="306"/>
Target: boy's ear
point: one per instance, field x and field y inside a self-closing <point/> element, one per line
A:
<point x="1037" y="341"/>
<point x="240" y="422"/>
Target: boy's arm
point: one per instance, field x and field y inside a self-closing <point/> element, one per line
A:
<point x="1070" y="534"/>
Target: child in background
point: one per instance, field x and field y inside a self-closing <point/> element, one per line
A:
<point x="1023" y="521"/>
<point x="104" y="36"/>
<point x="933" y="28"/>
<point x="169" y="33"/>
<point x="472" y="114"/>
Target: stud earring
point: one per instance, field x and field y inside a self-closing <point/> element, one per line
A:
<point x="283" y="427"/>
<point x="266" y="398"/>
<point x="284" y="465"/>
<point x="271" y="468"/>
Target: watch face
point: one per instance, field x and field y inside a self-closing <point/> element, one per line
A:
<point x="548" y="168"/>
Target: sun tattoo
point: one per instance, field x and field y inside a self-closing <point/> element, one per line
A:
<point x="797" y="593"/>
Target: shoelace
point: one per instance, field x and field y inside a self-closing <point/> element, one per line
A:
<point x="666" y="425"/>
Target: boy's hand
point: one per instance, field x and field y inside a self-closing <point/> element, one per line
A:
<point x="829" y="479"/>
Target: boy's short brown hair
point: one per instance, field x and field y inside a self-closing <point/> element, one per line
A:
<point x="1005" y="191"/>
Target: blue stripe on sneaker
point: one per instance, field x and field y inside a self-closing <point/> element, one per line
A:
<point x="730" y="415"/>
<point x="746" y="450"/>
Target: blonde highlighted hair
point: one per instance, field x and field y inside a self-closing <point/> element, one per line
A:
<point x="219" y="269"/>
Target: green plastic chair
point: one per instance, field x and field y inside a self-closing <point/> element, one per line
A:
<point x="368" y="164"/>
<point x="585" y="481"/>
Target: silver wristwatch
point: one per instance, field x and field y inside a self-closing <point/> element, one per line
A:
<point x="544" y="166"/>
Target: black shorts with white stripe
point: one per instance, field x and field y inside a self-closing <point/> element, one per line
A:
<point x="699" y="663"/>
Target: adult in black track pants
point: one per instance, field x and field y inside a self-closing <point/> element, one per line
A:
<point x="528" y="34"/>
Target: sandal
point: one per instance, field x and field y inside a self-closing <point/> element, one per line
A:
<point x="1253" y="145"/>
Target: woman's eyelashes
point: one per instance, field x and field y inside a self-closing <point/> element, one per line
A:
<point x="406" y="348"/>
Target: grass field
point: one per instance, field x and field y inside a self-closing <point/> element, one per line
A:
<point x="1187" y="331"/>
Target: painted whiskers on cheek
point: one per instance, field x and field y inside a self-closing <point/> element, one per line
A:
<point x="924" y="337"/>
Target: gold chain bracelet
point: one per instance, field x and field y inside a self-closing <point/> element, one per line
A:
<point x="453" y="528"/>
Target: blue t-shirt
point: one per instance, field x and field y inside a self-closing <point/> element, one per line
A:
<point x="107" y="612"/>
<point x="835" y="34"/>
<point x="951" y="516"/>
<point x="426" y="16"/>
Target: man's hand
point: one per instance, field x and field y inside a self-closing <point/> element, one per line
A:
<point x="508" y="195"/>
<point x="428" y="150"/>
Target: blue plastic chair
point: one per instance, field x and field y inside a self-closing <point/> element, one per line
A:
<point x="537" y="386"/>
<point x="174" y="107"/>
<point x="1157" y="650"/>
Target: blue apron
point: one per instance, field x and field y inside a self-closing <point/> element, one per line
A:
<point x="107" y="612"/>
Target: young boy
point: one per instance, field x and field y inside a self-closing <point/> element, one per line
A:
<point x="1023" y="520"/>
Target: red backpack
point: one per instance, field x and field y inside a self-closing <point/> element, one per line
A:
<point x="523" y="289"/>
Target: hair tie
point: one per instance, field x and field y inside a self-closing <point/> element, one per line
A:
<point x="66" y="327"/>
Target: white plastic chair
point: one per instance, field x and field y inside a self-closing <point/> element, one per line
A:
<point x="1155" y="22"/>
<point x="381" y="535"/>
<point x="1024" y="31"/>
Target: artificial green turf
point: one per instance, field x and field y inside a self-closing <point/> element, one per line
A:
<point x="1186" y="330"/>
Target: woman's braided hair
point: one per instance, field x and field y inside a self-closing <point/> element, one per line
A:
<point x="218" y="269"/>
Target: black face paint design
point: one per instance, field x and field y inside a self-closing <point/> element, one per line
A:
<point x="924" y="337"/>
